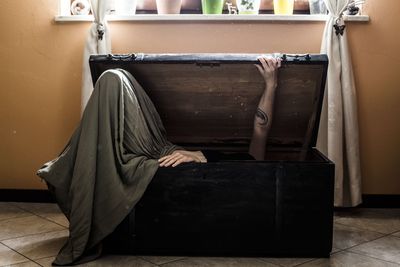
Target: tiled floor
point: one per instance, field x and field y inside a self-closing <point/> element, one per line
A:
<point x="32" y="233"/>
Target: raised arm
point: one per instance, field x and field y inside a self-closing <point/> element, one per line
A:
<point x="263" y="117"/>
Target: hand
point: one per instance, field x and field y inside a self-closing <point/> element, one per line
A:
<point x="269" y="70"/>
<point x="181" y="156"/>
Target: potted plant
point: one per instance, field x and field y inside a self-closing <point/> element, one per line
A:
<point x="169" y="6"/>
<point x="317" y="7"/>
<point x="283" y="7"/>
<point x="248" y="7"/>
<point x="299" y="5"/>
<point x="212" y="6"/>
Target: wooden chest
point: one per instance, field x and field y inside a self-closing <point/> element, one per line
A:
<point x="282" y="206"/>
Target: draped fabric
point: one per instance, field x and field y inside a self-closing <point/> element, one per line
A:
<point x="107" y="164"/>
<point x="98" y="42"/>
<point x="338" y="134"/>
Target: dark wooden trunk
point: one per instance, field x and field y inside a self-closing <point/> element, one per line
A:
<point x="282" y="206"/>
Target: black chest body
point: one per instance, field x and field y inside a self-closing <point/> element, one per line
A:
<point x="281" y="206"/>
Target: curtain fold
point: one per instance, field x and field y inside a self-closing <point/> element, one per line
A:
<point x="98" y="42"/>
<point x="338" y="133"/>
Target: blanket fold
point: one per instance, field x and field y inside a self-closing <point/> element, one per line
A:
<point x="107" y="164"/>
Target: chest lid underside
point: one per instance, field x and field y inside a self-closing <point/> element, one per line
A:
<point x="210" y="100"/>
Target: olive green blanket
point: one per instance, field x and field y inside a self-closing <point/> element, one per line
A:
<point x="107" y="164"/>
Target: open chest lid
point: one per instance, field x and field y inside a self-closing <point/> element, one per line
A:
<point x="209" y="100"/>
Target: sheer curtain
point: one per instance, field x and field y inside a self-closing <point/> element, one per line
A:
<point x="338" y="133"/>
<point x="98" y="42"/>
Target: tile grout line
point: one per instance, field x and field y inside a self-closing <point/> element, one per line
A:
<point x="1" y="240"/>
<point x="171" y="261"/>
<point x="384" y="235"/>
<point x="277" y="264"/>
<point x="338" y="250"/>
<point x="262" y="260"/>
<point x="315" y="259"/>
<point x="29" y="259"/>
<point x="35" y="260"/>
<point x="364" y="229"/>
<point x="2" y="220"/>
<point x="361" y="254"/>
<point x="52" y="221"/>
<point x="147" y="261"/>
<point x="40" y="216"/>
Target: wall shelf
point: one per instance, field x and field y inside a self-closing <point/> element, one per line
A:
<point x="201" y="17"/>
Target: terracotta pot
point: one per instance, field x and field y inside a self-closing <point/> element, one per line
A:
<point x="169" y="6"/>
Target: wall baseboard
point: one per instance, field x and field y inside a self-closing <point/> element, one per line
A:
<point x="32" y="195"/>
<point x="26" y="195"/>
<point x="380" y="201"/>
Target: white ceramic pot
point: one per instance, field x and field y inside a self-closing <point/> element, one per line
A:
<point x="80" y="7"/>
<point x="248" y="7"/>
<point x="169" y="6"/>
<point x="125" y="7"/>
<point x="317" y="7"/>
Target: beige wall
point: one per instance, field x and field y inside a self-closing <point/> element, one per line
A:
<point x="40" y="73"/>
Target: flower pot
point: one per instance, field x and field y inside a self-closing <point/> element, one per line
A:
<point x="299" y="5"/>
<point x="146" y="5"/>
<point x="212" y="6"/>
<point x="169" y="6"/>
<point x="317" y="7"/>
<point x="191" y="5"/>
<point x="125" y="7"/>
<point x="248" y="7"/>
<point x="283" y="7"/>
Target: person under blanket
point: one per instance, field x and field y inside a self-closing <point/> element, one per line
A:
<point x="114" y="153"/>
<point x="262" y="122"/>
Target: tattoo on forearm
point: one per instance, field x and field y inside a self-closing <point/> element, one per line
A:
<point x="262" y="116"/>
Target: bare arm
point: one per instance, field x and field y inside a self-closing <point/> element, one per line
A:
<point x="263" y="117"/>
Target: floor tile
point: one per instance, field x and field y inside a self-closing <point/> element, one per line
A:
<point x="18" y="227"/>
<point x="8" y="256"/>
<point x="219" y="262"/>
<point x="334" y="250"/>
<point x="346" y="236"/>
<point x="161" y="259"/>
<point x="8" y="211"/>
<point x="379" y="220"/>
<point x="39" y="245"/>
<point x="119" y="261"/>
<point x="25" y="264"/>
<point x="348" y="259"/>
<point x="45" y="262"/>
<point x="106" y="261"/>
<point x="49" y="211"/>
<point x="385" y="248"/>
<point x="287" y="262"/>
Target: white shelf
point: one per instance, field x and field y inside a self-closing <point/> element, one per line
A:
<point x="201" y="17"/>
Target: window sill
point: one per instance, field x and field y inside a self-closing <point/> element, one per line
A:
<point x="201" y="17"/>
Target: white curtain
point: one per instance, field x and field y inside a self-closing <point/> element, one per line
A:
<point x="98" y="42"/>
<point x="338" y="133"/>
